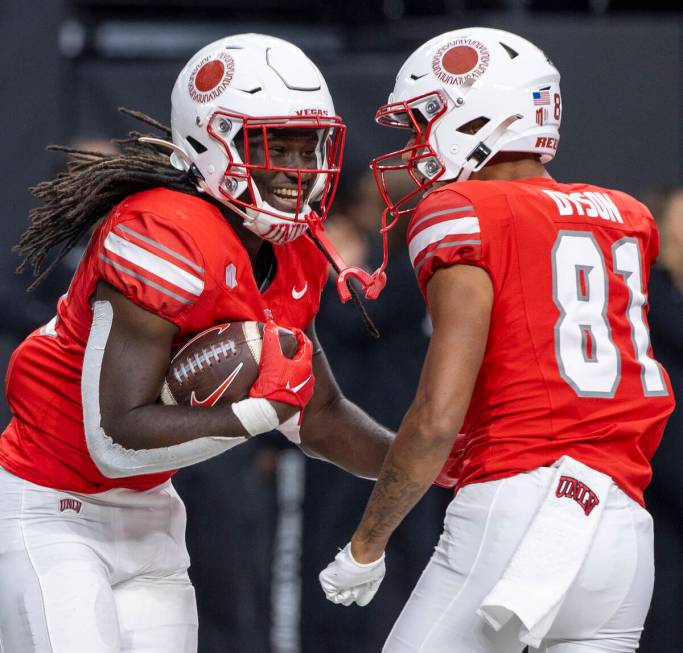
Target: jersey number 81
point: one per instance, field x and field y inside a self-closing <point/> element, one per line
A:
<point x="587" y="357"/>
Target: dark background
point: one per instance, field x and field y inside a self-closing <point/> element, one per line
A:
<point x="262" y="520"/>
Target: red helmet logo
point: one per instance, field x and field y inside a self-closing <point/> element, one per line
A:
<point x="210" y="77"/>
<point x="459" y="61"/>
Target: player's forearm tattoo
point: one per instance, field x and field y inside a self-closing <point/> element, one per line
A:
<point x="392" y="498"/>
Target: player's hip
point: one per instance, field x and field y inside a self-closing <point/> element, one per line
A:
<point x="132" y="532"/>
<point x="493" y="459"/>
<point x="515" y="498"/>
<point x="488" y="524"/>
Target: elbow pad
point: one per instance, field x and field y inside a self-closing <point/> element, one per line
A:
<point x="111" y="459"/>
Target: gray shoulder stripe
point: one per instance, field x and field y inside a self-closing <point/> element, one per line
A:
<point x="163" y="248"/>
<point x="444" y="246"/>
<point x="436" y="214"/>
<point x="149" y="282"/>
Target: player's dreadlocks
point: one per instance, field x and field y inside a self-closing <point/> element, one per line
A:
<point x="93" y="183"/>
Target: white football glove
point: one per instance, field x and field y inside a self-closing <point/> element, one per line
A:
<point x="344" y="580"/>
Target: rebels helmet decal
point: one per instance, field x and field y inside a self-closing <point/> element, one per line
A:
<point x="210" y="77"/>
<point x="461" y="60"/>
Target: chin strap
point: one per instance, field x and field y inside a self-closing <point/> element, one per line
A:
<point x="482" y="151"/>
<point x="371" y="284"/>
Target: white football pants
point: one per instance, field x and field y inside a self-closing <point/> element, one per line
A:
<point x="604" y="609"/>
<point x="93" y="573"/>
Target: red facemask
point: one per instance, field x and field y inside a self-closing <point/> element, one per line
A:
<point x="417" y="160"/>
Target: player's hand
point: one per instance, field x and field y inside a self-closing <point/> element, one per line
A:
<point x="289" y="381"/>
<point x="346" y="581"/>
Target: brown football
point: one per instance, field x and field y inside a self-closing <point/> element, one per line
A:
<point x="219" y="365"/>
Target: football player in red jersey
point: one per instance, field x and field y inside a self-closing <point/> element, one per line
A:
<point x="540" y="356"/>
<point x="92" y="550"/>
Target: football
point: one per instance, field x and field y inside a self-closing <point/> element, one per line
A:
<point x="219" y="365"/>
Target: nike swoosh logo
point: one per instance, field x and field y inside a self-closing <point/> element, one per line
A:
<point x="296" y="388"/>
<point x="298" y="294"/>
<point x="218" y="392"/>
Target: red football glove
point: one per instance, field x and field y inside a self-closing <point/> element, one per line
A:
<point x="288" y="380"/>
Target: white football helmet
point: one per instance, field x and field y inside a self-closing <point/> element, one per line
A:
<point x="469" y="94"/>
<point x="242" y="87"/>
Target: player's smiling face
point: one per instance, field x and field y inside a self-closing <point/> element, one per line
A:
<point x="287" y="148"/>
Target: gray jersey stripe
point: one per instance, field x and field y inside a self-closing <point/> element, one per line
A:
<point x="463" y="209"/>
<point x="163" y="248"/>
<point x="149" y="282"/>
<point x="443" y="246"/>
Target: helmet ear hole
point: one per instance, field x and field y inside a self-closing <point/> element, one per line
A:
<point x="196" y="145"/>
<point x="473" y="126"/>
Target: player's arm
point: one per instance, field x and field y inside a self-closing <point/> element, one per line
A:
<point x="460" y="300"/>
<point x="335" y="429"/>
<point x="127" y="430"/>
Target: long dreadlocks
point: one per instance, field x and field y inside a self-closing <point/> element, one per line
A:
<point x="92" y="184"/>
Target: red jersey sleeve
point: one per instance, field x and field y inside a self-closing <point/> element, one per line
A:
<point x="153" y="261"/>
<point x="443" y="231"/>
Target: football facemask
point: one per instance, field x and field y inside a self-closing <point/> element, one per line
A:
<point x="261" y="182"/>
<point x="418" y="159"/>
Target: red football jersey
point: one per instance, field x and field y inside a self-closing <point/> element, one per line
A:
<point x="174" y="255"/>
<point x="568" y="367"/>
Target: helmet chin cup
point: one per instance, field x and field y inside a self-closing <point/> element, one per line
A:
<point x="278" y="234"/>
<point x="273" y="225"/>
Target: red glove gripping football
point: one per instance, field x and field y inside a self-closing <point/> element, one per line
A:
<point x="288" y="380"/>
